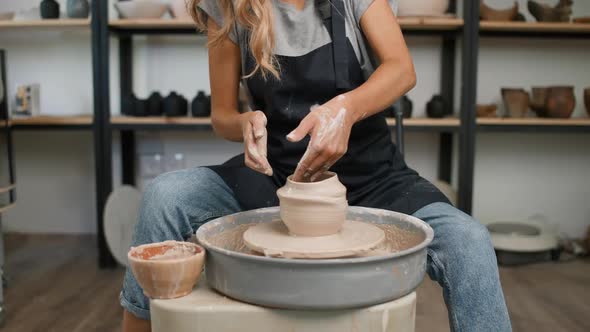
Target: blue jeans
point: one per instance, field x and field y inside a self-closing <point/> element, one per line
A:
<point x="460" y="258"/>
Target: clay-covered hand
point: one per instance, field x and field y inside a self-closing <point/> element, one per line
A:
<point x="255" y="140"/>
<point x="329" y="127"/>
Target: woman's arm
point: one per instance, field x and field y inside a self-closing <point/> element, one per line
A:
<point x="329" y="125"/>
<point x="249" y="127"/>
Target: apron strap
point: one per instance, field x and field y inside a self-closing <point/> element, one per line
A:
<point x="339" y="45"/>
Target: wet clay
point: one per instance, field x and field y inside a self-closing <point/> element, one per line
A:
<point x="396" y="239"/>
<point x="313" y="208"/>
<point x="273" y="240"/>
<point x="167" y="269"/>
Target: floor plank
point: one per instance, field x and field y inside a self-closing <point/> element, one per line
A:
<point x="55" y="285"/>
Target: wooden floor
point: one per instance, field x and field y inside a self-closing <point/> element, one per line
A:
<point x="55" y="285"/>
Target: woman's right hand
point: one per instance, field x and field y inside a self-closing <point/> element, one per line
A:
<point x="255" y="140"/>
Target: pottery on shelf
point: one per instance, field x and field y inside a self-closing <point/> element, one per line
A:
<point x="313" y="208"/>
<point x="175" y="105"/>
<point x="49" y="9"/>
<point x="436" y="107"/>
<point x="154" y="104"/>
<point x="141" y="9"/>
<point x="201" y="105"/>
<point x="538" y="99"/>
<point x="179" y="10"/>
<point x="562" y="12"/>
<point x="167" y="270"/>
<point x="560" y="102"/>
<point x="422" y="7"/>
<point x="487" y="111"/>
<point x="516" y="102"/>
<point x="583" y="19"/>
<point x="6" y="16"/>
<point x="487" y="13"/>
<point x="406" y="107"/>
<point x="587" y="100"/>
<point x="78" y="8"/>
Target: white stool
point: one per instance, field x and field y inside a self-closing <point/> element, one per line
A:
<point x="205" y="310"/>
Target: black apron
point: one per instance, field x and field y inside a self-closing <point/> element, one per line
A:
<point x="373" y="170"/>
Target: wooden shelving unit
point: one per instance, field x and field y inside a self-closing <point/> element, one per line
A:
<point x="535" y="29"/>
<point x="162" y="26"/>
<point x="166" y="123"/>
<point x="7" y="189"/>
<point x="52" y="122"/>
<point x="7" y="207"/>
<point x="534" y="124"/>
<point x="54" y="24"/>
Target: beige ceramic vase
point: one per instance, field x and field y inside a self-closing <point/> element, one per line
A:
<point x="313" y="208"/>
<point x="167" y="270"/>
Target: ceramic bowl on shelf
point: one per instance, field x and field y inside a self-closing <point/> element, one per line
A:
<point x="538" y="99"/>
<point x="516" y="102"/>
<point x="487" y="13"/>
<point x="542" y="12"/>
<point x="6" y="16"/>
<point x="487" y="111"/>
<point x="560" y="102"/>
<point x="422" y="7"/>
<point x="141" y="9"/>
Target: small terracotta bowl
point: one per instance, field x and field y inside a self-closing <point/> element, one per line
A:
<point x="167" y="270"/>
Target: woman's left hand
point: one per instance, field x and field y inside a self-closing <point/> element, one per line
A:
<point x="329" y="126"/>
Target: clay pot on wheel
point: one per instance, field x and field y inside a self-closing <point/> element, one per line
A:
<point x="516" y="102"/>
<point x="560" y="102"/>
<point x="313" y="208"/>
<point x="167" y="270"/>
<point x="587" y="100"/>
<point x="422" y="7"/>
<point x="49" y="9"/>
<point x="487" y="13"/>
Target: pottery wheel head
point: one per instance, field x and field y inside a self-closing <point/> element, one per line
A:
<point x="273" y="239"/>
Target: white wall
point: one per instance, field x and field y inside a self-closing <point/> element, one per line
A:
<point x="517" y="175"/>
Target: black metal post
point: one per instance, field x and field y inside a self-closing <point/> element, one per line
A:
<point x="447" y="91"/>
<point x="101" y="123"/>
<point x="126" y="88"/>
<point x="8" y="129"/>
<point x="468" y="101"/>
<point x="399" y="125"/>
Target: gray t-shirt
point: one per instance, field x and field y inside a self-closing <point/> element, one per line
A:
<point x="298" y="32"/>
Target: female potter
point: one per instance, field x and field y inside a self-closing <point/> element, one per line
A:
<point x="319" y="99"/>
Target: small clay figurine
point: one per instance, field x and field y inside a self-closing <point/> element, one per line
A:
<point x="49" y="9"/>
<point x="562" y="12"/>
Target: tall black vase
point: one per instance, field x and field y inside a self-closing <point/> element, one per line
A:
<point x="49" y="9"/>
<point x="201" y="106"/>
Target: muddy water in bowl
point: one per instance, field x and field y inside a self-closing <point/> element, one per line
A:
<point x="167" y="269"/>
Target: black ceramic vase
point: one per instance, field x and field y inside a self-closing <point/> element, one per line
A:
<point x="129" y="105"/>
<point x="201" y="105"/>
<point x="154" y="104"/>
<point x="49" y="9"/>
<point x="175" y="105"/>
<point x="78" y="8"/>
<point x="436" y="107"/>
<point x="407" y="106"/>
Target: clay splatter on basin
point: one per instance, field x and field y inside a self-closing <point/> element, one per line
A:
<point x="396" y="239"/>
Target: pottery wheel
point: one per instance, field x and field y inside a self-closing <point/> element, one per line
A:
<point x="273" y="239"/>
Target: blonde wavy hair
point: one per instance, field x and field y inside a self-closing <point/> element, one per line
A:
<point x="255" y="16"/>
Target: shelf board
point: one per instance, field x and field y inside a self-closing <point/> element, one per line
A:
<point x="172" y="26"/>
<point x="532" y="29"/>
<point x="164" y="123"/>
<point x="534" y="124"/>
<point x="7" y="189"/>
<point x="57" y="24"/>
<point x="7" y="207"/>
<point x="52" y="122"/>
